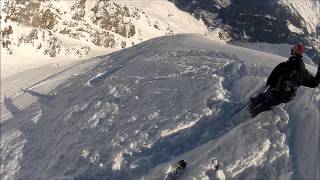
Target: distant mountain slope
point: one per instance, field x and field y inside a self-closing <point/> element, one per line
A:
<point x="57" y="32"/>
<point x="77" y="27"/>
<point x="307" y="11"/>
<point x="273" y="21"/>
<point x="130" y="114"/>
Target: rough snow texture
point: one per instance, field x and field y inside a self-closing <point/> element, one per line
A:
<point x="11" y="144"/>
<point x="167" y="99"/>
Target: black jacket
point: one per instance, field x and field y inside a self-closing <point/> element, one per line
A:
<point x="288" y="76"/>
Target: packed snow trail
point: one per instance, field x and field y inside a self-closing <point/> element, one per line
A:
<point x="133" y="113"/>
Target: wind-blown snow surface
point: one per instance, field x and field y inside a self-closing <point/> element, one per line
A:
<point x="132" y="113"/>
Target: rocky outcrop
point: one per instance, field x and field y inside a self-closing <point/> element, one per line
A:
<point x="114" y="22"/>
<point x="5" y="37"/>
<point x="71" y="26"/>
<point x="103" y="38"/>
<point x="114" y="17"/>
<point x="78" y="10"/>
<point x="31" y="13"/>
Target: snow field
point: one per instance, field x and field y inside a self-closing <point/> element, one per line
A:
<point x="167" y="99"/>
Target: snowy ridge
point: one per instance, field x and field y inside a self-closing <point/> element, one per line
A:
<point x="166" y="99"/>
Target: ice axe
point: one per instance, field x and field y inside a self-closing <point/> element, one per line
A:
<point x="308" y="105"/>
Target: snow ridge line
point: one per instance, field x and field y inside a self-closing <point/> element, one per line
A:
<point x="100" y="77"/>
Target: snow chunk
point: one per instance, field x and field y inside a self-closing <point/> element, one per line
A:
<point x="280" y="144"/>
<point x="255" y="157"/>
<point x="98" y="105"/>
<point x="85" y="153"/>
<point x="219" y="92"/>
<point x="94" y="79"/>
<point x="76" y="109"/>
<point x="207" y="112"/>
<point x="117" y="161"/>
<point x="180" y="126"/>
<point x="154" y="115"/>
<point x="94" y="120"/>
<point x="119" y="90"/>
<point x="316" y="96"/>
<point x="108" y="109"/>
<point x="95" y="158"/>
<point x="36" y="117"/>
<point x="132" y="119"/>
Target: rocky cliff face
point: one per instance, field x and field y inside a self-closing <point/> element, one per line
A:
<point x="107" y="24"/>
<point x="273" y="21"/>
<point x="57" y="28"/>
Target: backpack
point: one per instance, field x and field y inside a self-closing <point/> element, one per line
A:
<point x="287" y="85"/>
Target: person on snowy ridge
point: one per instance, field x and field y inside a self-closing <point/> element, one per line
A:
<point x="284" y="81"/>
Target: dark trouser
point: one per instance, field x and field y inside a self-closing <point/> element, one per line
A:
<point x="263" y="102"/>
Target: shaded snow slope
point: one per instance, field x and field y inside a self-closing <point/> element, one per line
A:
<point x="130" y="114"/>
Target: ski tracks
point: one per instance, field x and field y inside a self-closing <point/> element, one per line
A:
<point x="114" y="67"/>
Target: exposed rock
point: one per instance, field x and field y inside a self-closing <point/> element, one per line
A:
<point x="112" y="17"/>
<point x="79" y="10"/>
<point x="46" y="24"/>
<point x="104" y="39"/>
<point x="257" y="21"/>
<point x="123" y="44"/>
<point x="6" y="32"/>
<point x="54" y="47"/>
<point x="30" y="13"/>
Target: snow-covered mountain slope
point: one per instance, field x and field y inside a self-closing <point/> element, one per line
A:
<point x="130" y="114"/>
<point x="308" y="11"/>
<point x="274" y="21"/>
<point x="76" y="29"/>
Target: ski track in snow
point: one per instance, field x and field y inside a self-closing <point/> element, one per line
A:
<point x="139" y="110"/>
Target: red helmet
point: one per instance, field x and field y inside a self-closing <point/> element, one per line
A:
<point x="298" y="49"/>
